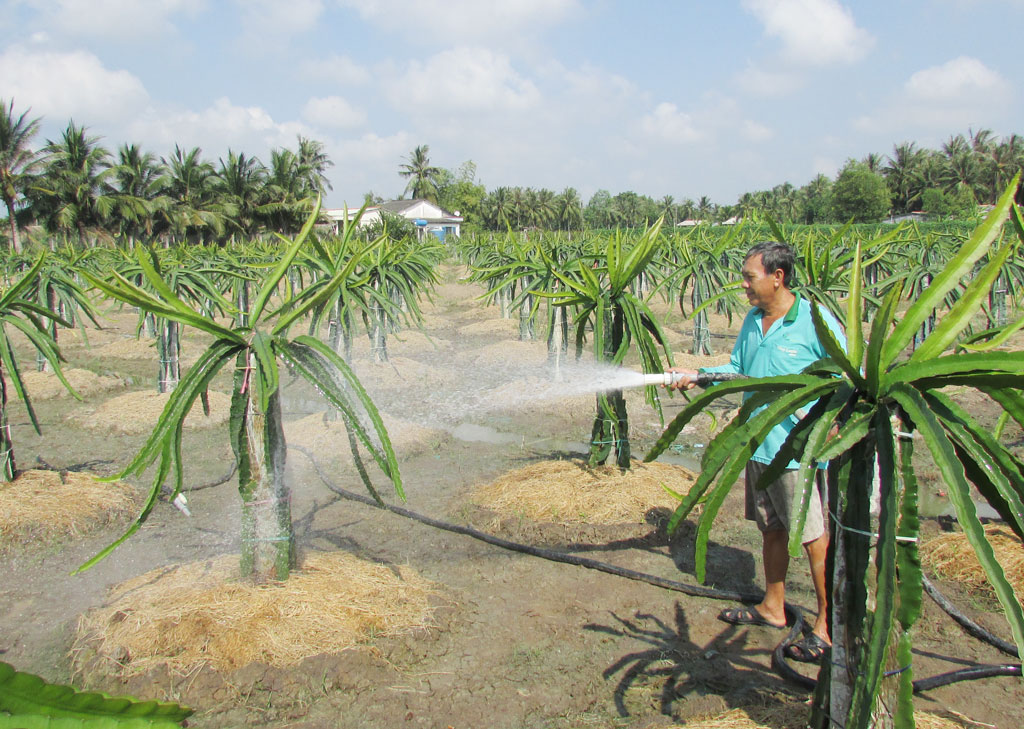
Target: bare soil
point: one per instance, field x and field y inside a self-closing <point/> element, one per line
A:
<point x="516" y="641"/>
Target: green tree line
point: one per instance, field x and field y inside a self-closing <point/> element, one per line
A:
<point x="73" y="189"/>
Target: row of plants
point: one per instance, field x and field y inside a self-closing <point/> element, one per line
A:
<point x="603" y="286"/>
<point x="872" y="390"/>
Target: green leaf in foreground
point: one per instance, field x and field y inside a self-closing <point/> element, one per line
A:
<point x="27" y="701"/>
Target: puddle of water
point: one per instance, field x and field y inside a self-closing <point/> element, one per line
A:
<point x="473" y="433"/>
<point x="931" y="504"/>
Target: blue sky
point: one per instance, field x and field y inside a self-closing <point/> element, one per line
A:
<point x="685" y="98"/>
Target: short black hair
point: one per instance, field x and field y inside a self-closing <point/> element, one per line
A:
<point x="775" y="255"/>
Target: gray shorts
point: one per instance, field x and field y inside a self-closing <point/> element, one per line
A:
<point x="771" y="507"/>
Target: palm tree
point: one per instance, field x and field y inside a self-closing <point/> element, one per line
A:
<point x="900" y="172"/>
<point x="137" y="190"/>
<point x="239" y="188"/>
<point x="873" y="161"/>
<point x="544" y="208"/>
<point x="190" y="187"/>
<point x="313" y="163"/>
<point x="498" y="209"/>
<point x="570" y="209"/>
<point x="705" y="208"/>
<point x="72" y="194"/>
<point x="421" y="174"/>
<point x="17" y="162"/>
<point x="287" y="192"/>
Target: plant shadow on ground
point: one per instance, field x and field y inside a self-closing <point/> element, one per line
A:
<point x="689" y="679"/>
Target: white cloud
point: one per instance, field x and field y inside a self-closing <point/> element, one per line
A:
<point x="270" y="19"/>
<point x="754" y="131"/>
<point x="765" y="83"/>
<point x="337" y="68"/>
<point x="464" y="18"/>
<point x="960" y="93"/>
<point x="463" y="79"/>
<point x="955" y="81"/>
<point x="217" y="128"/>
<point x="63" y="85"/>
<point x="333" y="112"/>
<point x="370" y="162"/>
<point x="670" y="124"/>
<point x="815" y="32"/>
<point x="108" y="19"/>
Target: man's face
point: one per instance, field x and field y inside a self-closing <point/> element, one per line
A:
<point x="760" y="286"/>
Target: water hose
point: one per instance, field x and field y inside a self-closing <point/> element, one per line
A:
<point x="793" y="613"/>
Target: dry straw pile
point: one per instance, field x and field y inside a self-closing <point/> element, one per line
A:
<point x="137" y="412"/>
<point x="189" y="616"/>
<point x="570" y="492"/>
<point x="46" y="386"/>
<point x="329" y="438"/>
<point x="52" y="505"/>
<point x="952" y="558"/>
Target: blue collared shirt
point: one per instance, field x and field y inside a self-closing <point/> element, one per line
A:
<point x="789" y="345"/>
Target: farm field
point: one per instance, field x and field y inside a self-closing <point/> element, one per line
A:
<point x="513" y="640"/>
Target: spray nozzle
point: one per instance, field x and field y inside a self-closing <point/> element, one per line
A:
<point x="703" y="379"/>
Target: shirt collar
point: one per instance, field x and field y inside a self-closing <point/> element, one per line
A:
<point x="794" y="310"/>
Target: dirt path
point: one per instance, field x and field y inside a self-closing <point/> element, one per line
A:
<point x="518" y="641"/>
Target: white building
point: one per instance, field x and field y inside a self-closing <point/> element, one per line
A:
<point x="425" y="215"/>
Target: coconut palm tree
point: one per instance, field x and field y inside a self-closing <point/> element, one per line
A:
<point x="257" y="350"/>
<point x="17" y="162"/>
<point x="313" y="163"/>
<point x="190" y="186"/>
<point x="72" y="196"/>
<point x="137" y="185"/>
<point x="421" y="174"/>
<point x="239" y="186"/>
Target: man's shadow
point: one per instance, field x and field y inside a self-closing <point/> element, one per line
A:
<point x="725" y="665"/>
<point x="727" y="567"/>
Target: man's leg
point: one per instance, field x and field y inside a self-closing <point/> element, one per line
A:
<point x="816" y="552"/>
<point x="775" y="555"/>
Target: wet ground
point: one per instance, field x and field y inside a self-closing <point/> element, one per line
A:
<point x="518" y="641"/>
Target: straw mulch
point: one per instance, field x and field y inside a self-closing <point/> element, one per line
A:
<point x="952" y="558"/>
<point x="570" y="492"/>
<point x="414" y="342"/>
<point x="523" y="354"/>
<point x="400" y="372"/>
<point x="189" y="616"/>
<point x="46" y="386"/>
<point x="328" y="439"/>
<point x="52" y="505"/>
<point x="793" y="715"/>
<point x="132" y="348"/>
<point x="490" y="326"/>
<point x="137" y="412"/>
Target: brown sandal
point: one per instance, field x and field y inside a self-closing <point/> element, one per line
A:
<point x="808" y="649"/>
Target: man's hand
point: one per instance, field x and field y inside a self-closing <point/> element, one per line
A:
<point x="686" y="381"/>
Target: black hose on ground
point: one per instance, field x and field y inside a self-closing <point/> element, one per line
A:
<point x="965" y="622"/>
<point x="793" y="613"/>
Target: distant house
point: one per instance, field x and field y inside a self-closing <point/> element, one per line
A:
<point x="425" y="215"/>
<point x="918" y="215"/>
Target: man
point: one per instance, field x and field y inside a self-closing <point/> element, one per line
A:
<point x="778" y="338"/>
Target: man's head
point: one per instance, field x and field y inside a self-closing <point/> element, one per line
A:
<point x="767" y="273"/>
